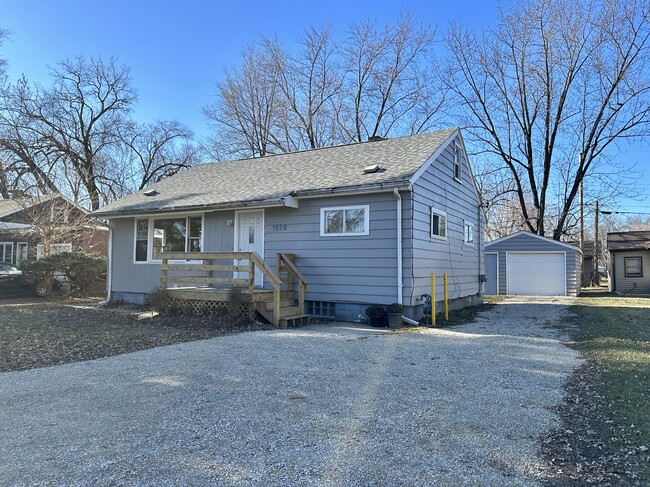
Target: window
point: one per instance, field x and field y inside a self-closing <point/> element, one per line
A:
<point x="57" y="248"/>
<point x="154" y="236"/>
<point x="438" y="223"/>
<point x="141" y="240"/>
<point x="633" y="267"/>
<point x="21" y="252"/>
<point x="6" y="251"/>
<point x="343" y="221"/>
<point x="457" y="163"/>
<point x="469" y="233"/>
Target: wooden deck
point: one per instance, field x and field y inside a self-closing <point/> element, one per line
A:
<point x="209" y="276"/>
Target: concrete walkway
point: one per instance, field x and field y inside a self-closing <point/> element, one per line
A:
<point x="321" y="405"/>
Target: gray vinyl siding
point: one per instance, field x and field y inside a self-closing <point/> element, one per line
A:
<point x="348" y="269"/>
<point x="462" y="262"/>
<point x="632" y="285"/>
<point x="529" y="243"/>
<point x="142" y="277"/>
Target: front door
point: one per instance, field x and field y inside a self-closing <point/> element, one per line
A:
<point x="249" y="237"/>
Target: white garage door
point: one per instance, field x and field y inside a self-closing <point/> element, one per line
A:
<point x="536" y="274"/>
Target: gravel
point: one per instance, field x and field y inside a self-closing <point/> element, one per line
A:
<point x="322" y="405"/>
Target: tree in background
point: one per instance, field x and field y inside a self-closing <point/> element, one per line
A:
<point x="548" y="93"/>
<point x="378" y="82"/>
<point x="76" y="136"/>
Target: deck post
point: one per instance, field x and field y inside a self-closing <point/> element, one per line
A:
<point x="163" y="274"/>
<point x="208" y="274"/>
<point x="276" y="305"/>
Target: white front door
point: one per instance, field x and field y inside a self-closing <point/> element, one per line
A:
<point x="249" y="237"/>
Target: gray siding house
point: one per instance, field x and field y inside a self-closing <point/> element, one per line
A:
<point x="367" y="223"/>
<point x="529" y="264"/>
<point x="629" y="262"/>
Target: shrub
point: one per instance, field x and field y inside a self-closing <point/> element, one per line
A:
<point x="80" y="269"/>
<point x="235" y="301"/>
<point x="394" y="308"/>
<point x="377" y="315"/>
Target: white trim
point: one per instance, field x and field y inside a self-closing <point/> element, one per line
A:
<point x="109" y="264"/>
<point x="457" y="161"/>
<point x="497" y="254"/>
<point x="366" y="220"/>
<point x="530" y="234"/>
<point x="150" y="232"/>
<point x="26" y="244"/>
<point x="471" y="226"/>
<point x="538" y="252"/>
<point x="439" y="213"/>
<point x="11" y="252"/>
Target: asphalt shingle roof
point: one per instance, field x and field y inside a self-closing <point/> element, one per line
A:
<point x="247" y="181"/>
<point x="639" y="240"/>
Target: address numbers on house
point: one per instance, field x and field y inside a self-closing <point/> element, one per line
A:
<point x="280" y="228"/>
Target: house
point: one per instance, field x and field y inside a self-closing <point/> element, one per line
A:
<point x="31" y="226"/>
<point x="629" y="262"/>
<point x="362" y="224"/>
<point x="530" y="264"/>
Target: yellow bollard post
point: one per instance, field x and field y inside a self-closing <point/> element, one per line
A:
<point x="444" y="278"/>
<point x="433" y="299"/>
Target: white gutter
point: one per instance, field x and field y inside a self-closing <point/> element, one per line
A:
<point x="399" y="246"/>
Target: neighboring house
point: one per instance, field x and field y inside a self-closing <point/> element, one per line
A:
<point x="529" y="264"/>
<point x="368" y="223"/>
<point x="26" y="221"/>
<point x="629" y="262"/>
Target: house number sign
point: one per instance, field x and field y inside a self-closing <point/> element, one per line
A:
<point x="280" y="228"/>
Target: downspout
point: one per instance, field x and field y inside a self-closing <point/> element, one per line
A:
<point x="109" y="273"/>
<point x="399" y="245"/>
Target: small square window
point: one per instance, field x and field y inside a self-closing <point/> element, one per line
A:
<point x="633" y="267"/>
<point x="438" y="223"/>
<point x="469" y="233"/>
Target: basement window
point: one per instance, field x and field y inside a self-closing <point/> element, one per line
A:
<point x="321" y="309"/>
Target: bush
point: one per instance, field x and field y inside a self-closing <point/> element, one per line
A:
<point x="235" y="301"/>
<point x="394" y="308"/>
<point x="81" y="270"/>
<point x="159" y="300"/>
<point x="377" y="315"/>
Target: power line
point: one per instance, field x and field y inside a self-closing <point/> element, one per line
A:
<point x="607" y="212"/>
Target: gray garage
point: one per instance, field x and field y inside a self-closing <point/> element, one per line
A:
<point x="529" y="264"/>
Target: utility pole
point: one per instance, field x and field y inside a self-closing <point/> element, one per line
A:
<point x="582" y="211"/>
<point x="596" y="276"/>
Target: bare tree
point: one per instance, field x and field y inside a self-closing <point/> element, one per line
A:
<point x="245" y="114"/>
<point x="156" y="151"/>
<point x="388" y="81"/>
<point x="549" y="93"/>
<point x="76" y="120"/>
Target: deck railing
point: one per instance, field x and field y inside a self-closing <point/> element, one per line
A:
<point x="284" y="264"/>
<point x="202" y="267"/>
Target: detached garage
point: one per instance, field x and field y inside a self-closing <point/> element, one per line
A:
<point x="532" y="265"/>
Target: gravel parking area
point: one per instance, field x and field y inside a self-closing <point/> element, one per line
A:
<point x="320" y="405"/>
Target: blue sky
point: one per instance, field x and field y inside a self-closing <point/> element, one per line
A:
<point x="178" y="51"/>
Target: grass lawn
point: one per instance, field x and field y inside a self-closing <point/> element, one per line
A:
<point x="614" y="336"/>
<point x="40" y="333"/>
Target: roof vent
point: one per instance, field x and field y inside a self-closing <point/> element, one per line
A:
<point x="371" y="169"/>
<point x="375" y="138"/>
<point x="150" y="192"/>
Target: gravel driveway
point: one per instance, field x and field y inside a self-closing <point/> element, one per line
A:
<point x="321" y="405"/>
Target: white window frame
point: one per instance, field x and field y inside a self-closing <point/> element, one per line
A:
<point x="55" y="248"/>
<point x="457" y="163"/>
<point x="18" y="245"/>
<point x="470" y="227"/>
<point x="439" y="213"/>
<point x="150" y="225"/>
<point x="366" y="220"/>
<point x="4" y="252"/>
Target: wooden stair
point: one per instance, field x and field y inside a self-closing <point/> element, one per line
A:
<point x="290" y="313"/>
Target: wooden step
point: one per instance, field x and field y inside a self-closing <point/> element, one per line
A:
<point x="268" y="296"/>
<point x="294" y="320"/>
<point x="290" y="311"/>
